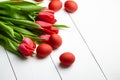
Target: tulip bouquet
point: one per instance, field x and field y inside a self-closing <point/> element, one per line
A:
<point x="25" y="24"/>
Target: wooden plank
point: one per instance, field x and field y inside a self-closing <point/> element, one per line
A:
<point x="85" y="67"/>
<point x="98" y="23"/>
<point x="6" y="72"/>
<point x="33" y="68"/>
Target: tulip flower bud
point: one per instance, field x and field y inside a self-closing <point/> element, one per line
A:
<point x="48" y="10"/>
<point x="45" y="37"/>
<point x="46" y="16"/>
<point x="47" y="27"/>
<point x="29" y="42"/>
<point x="27" y="47"/>
<point x="44" y="24"/>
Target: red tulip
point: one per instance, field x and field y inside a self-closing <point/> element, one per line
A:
<point x="29" y="42"/>
<point x="54" y="29"/>
<point x="47" y="31"/>
<point x="45" y="37"/>
<point x="38" y="0"/>
<point x="48" y="10"/>
<point x="47" y="27"/>
<point x="27" y="47"/>
<point x="44" y="24"/>
<point x="48" y="17"/>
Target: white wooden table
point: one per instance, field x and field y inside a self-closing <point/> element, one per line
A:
<point x="93" y="37"/>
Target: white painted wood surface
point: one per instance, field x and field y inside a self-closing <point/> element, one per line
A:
<point x="99" y="24"/>
<point x="6" y="72"/>
<point x="93" y="37"/>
